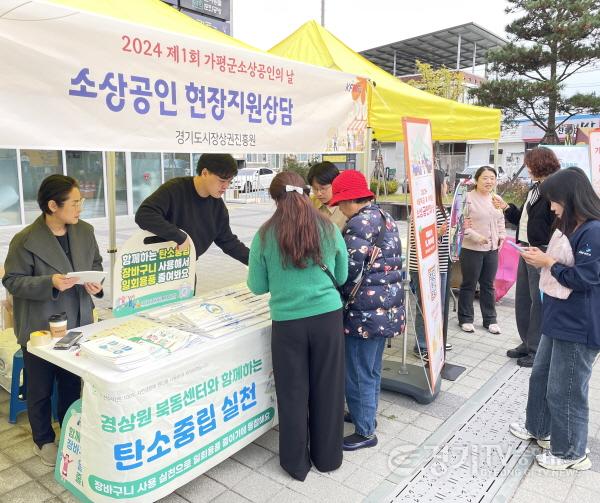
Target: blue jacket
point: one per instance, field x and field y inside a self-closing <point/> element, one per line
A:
<point x="577" y="318"/>
<point x="378" y="308"/>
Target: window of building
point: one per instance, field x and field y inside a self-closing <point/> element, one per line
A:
<point x="35" y="166"/>
<point x="195" y="158"/>
<point x="491" y="158"/>
<point x="145" y="175"/>
<point x="120" y="184"/>
<point x="10" y="209"/>
<point x="175" y="165"/>
<point x="256" y="157"/>
<point x="86" y="168"/>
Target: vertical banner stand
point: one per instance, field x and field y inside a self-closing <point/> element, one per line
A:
<point x="401" y="377"/>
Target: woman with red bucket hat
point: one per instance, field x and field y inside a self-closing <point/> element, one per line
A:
<point x="374" y="300"/>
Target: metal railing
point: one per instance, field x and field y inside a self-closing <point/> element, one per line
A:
<point x="249" y="189"/>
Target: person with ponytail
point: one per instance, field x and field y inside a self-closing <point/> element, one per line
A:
<point x="298" y="256"/>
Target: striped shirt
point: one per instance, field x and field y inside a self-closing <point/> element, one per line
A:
<point x="443" y="246"/>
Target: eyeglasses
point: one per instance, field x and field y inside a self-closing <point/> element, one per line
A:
<point x="79" y="203"/>
<point x="321" y="189"/>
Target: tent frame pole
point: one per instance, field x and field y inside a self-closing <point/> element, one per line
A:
<point x="366" y="156"/>
<point x="112" y="219"/>
<point x="496" y="141"/>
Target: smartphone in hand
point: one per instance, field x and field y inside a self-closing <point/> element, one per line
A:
<point x="521" y="249"/>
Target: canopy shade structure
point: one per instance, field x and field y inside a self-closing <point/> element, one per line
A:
<point x="391" y="99"/>
<point x="458" y="47"/>
<point x="140" y="76"/>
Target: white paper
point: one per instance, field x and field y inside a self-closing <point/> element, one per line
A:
<point x="87" y="276"/>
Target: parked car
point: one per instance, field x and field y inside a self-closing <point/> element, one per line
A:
<point x="253" y="179"/>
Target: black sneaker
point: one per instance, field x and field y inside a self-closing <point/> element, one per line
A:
<point x="355" y="441"/>
<point x="526" y="361"/>
<point x="517" y="352"/>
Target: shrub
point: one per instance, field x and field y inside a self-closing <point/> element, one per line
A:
<point x="513" y="192"/>
<point x="391" y="185"/>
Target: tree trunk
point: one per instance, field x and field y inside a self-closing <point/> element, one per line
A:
<point x="550" y="136"/>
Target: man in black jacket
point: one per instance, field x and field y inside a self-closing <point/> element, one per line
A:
<point x="191" y="207"/>
<point x="534" y="220"/>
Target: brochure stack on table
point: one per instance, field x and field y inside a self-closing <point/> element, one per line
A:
<point x="215" y="315"/>
<point x="166" y="330"/>
<point x="168" y="394"/>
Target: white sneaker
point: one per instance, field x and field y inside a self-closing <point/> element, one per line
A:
<point x="521" y="432"/>
<point x="47" y="453"/>
<point x="467" y="327"/>
<point x="494" y="329"/>
<point x="551" y="462"/>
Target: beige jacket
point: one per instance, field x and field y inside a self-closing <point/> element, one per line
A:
<point x="486" y="221"/>
<point x="332" y="212"/>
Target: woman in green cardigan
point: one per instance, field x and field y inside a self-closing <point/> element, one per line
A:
<point x="292" y="258"/>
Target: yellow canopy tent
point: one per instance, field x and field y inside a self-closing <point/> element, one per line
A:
<point x="156" y="14"/>
<point x="391" y="99"/>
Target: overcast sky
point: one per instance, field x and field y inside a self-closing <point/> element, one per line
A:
<point x="370" y="23"/>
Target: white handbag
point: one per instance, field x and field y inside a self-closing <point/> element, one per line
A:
<point x="559" y="248"/>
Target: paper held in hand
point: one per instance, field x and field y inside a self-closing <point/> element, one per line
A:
<point x="88" y="276"/>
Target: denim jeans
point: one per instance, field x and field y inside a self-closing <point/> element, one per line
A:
<point x="557" y="404"/>
<point x="363" y="381"/>
<point x="419" y="322"/>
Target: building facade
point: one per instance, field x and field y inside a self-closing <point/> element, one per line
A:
<point x="138" y="174"/>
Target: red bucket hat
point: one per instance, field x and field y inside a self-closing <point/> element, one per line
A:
<point x="349" y="185"/>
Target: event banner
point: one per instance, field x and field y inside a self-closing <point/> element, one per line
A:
<point x="140" y="439"/>
<point x="418" y="155"/>
<point x="149" y="274"/>
<point x="595" y="159"/>
<point x="88" y="82"/>
<point x="571" y="156"/>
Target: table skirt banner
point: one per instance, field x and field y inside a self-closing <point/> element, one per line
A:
<point x="142" y="439"/>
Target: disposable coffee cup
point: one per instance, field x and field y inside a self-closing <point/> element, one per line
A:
<point x="58" y="325"/>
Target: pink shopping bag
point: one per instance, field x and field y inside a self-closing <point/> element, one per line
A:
<point x="508" y="262"/>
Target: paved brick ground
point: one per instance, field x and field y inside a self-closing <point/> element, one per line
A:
<point x="253" y="474"/>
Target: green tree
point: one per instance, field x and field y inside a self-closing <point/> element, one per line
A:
<point x="290" y="163"/>
<point x="551" y="41"/>
<point x="441" y="82"/>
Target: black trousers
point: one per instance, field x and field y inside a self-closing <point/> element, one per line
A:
<point x="309" y="371"/>
<point x="40" y="382"/>
<point x="478" y="266"/>
<point x="528" y="306"/>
